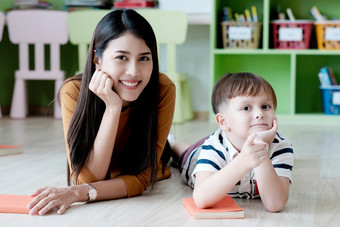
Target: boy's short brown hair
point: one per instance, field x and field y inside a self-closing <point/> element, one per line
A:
<point x="239" y="84"/>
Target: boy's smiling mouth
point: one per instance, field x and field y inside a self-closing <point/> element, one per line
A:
<point x="259" y="125"/>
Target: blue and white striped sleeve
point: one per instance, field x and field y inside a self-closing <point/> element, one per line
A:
<point x="212" y="158"/>
<point x="282" y="156"/>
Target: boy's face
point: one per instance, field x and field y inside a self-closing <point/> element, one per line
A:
<point x="245" y="115"/>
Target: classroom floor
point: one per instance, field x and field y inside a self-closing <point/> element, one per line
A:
<point x="314" y="195"/>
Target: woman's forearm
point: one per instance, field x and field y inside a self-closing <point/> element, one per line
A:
<point x="107" y="189"/>
<point x="101" y="152"/>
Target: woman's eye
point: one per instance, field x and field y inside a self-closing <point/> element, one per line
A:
<point x="121" y="57"/>
<point x="144" y="58"/>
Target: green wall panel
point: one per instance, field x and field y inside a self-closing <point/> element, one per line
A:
<point x="274" y="68"/>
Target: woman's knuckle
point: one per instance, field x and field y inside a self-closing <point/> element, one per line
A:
<point x="53" y="203"/>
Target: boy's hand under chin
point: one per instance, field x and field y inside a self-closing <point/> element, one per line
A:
<point x="267" y="136"/>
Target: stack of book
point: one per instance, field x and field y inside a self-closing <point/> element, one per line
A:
<point x="314" y="11"/>
<point x="327" y="77"/>
<point x="10" y="149"/>
<point x="316" y="14"/>
<point x="73" y="5"/>
<point x="135" y="3"/>
<point x="226" y="209"/>
<point x="32" y="4"/>
<point x="240" y="17"/>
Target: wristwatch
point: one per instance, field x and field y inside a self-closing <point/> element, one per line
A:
<point x="92" y="193"/>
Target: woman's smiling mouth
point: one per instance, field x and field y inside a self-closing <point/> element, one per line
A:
<point x="130" y="84"/>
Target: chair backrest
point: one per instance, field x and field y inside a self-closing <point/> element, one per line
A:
<point x="2" y="23"/>
<point x="38" y="27"/>
<point x="170" y="28"/>
<point x="81" y="25"/>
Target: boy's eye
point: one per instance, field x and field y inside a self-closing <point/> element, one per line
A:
<point x="246" y="108"/>
<point x="265" y="107"/>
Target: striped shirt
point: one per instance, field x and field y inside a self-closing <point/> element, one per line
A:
<point x="217" y="151"/>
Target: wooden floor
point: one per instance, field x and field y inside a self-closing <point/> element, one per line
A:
<point x="314" y="195"/>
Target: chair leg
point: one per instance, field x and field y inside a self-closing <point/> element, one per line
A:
<point x="19" y="100"/>
<point x="186" y="102"/>
<point x="56" y="105"/>
<point x="178" y="115"/>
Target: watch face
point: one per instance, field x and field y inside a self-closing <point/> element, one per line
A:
<point x="92" y="194"/>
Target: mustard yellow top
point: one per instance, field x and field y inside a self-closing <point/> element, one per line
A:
<point x="135" y="184"/>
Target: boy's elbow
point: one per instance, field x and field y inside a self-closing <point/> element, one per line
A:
<point x="275" y="207"/>
<point x="201" y="202"/>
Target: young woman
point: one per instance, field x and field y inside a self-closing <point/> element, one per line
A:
<point x="116" y="117"/>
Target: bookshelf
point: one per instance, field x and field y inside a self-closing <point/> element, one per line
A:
<point x="292" y="73"/>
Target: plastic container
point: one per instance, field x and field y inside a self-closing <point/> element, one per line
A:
<point x="292" y="35"/>
<point x="331" y="99"/>
<point x="134" y="3"/>
<point x="328" y="35"/>
<point x="242" y="35"/>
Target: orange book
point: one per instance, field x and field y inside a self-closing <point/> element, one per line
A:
<point x="14" y="203"/>
<point x="226" y="208"/>
<point x="10" y="149"/>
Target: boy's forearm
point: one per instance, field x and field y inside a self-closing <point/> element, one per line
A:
<point x="212" y="189"/>
<point x="273" y="189"/>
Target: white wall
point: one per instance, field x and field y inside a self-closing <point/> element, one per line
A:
<point x="194" y="54"/>
<point x="193" y="57"/>
<point x="189" y="6"/>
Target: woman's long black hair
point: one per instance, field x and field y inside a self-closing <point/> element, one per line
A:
<point x="141" y="150"/>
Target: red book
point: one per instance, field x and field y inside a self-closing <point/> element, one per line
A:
<point x="10" y="149"/>
<point x="14" y="203"/>
<point x="226" y="208"/>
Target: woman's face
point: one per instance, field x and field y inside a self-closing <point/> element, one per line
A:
<point x="128" y="61"/>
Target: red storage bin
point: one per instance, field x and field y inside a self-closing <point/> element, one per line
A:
<point x="134" y="3"/>
<point x="304" y="27"/>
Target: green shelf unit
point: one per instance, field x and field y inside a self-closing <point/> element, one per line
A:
<point x="292" y="73"/>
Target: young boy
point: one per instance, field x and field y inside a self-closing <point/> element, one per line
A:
<point x="246" y="156"/>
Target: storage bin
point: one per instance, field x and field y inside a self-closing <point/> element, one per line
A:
<point x="292" y="35"/>
<point x="328" y="35"/>
<point x="243" y="35"/>
<point x="331" y="99"/>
